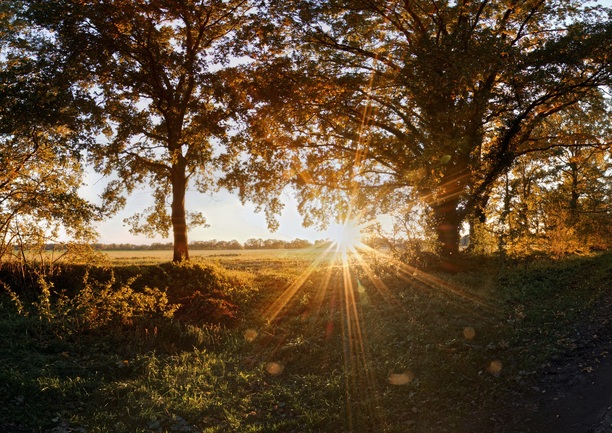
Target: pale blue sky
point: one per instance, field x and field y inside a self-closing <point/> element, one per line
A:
<point x="227" y="218"/>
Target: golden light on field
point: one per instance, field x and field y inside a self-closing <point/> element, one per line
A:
<point x="344" y="280"/>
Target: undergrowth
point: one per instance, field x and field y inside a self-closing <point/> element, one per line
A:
<point x="197" y="347"/>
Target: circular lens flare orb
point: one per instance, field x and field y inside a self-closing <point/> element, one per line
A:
<point x="347" y="236"/>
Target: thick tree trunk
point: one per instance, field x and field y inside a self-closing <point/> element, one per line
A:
<point x="179" y="221"/>
<point x="448" y="225"/>
<point x="447" y="215"/>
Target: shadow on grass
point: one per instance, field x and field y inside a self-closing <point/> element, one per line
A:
<point x="370" y="349"/>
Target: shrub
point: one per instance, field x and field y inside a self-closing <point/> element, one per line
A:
<point x="100" y="304"/>
<point x="77" y="297"/>
<point x="205" y="293"/>
<point x="96" y="305"/>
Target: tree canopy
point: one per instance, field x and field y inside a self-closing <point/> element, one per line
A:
<point x="385" y="104"/>
<point x="558" y="200"/>
<point x="415" y="107"/>
<point x="161" y="74"/>
<point x="44" y="122"/>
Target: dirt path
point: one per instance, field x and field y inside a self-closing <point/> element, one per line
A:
<point x="574" y="393"/>
<point x="585" y="406"/>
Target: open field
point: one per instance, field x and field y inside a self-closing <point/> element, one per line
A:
<point x="261" y="341"/>
<point x="139" y="256"/>
<point x="150" y="257"/>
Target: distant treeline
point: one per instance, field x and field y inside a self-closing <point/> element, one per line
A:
<point x="250" y="244"/>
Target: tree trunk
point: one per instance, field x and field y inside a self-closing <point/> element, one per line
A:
<point x="448" y="221"/>
<point x="448" y="225"/>
<point x="447" y="215"/>
<point x="575" y="195"/>
<point x="179" y="221"/>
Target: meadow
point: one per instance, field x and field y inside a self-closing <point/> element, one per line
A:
<point x="288" y="341"/>
<point x="122" y="257"/>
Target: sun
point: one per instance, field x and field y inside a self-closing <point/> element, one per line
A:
<point x="346" y="237"/>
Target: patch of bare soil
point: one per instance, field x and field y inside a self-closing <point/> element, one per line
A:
<point x="573" y="393"/>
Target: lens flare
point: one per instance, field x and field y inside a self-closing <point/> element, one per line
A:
<point x="469" y="333"/>
<point x="399" y="379"/>
<point x="346" y="237"/>
<point x="250" y="335"/>
<point x="495" y="368"/>
<point x="274" y="368"/>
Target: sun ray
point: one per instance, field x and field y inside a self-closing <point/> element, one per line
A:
<point x="281" y="302"/>
<point x="335" y="269"/>
<point x="361" y="385"/>
<point x="411" y="274"/>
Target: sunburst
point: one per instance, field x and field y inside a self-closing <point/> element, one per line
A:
<point x="346" y="236"/>
<point x="346" y="277"/>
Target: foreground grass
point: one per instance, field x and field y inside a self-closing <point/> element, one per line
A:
<point x="320" y="349"/>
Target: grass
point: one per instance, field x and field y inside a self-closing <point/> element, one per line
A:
<point x="305" y="349"/>
<point x="128" y="257"/>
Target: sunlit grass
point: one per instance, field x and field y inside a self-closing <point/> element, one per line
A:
<point x="342" y="342"/>
<point x="347" y="280"/>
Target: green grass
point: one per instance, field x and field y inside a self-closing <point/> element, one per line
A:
<point x="393" y="353"/>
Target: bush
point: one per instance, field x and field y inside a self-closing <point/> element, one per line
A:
<point x="79" y="298"/>
<point x="204" y="293"/>
<point x="100" y="305"/>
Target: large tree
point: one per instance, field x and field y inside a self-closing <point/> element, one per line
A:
<point x="386" y="103"/>
<point x="161" y="73"/>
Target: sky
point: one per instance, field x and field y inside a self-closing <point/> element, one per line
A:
<point x="227" y="218"/>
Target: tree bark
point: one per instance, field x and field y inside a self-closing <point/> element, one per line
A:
<point x="447" y="214"/>
<point x="179" y="220"/>
<point x="448" y="225"/>
<point x="575" y="195"/>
